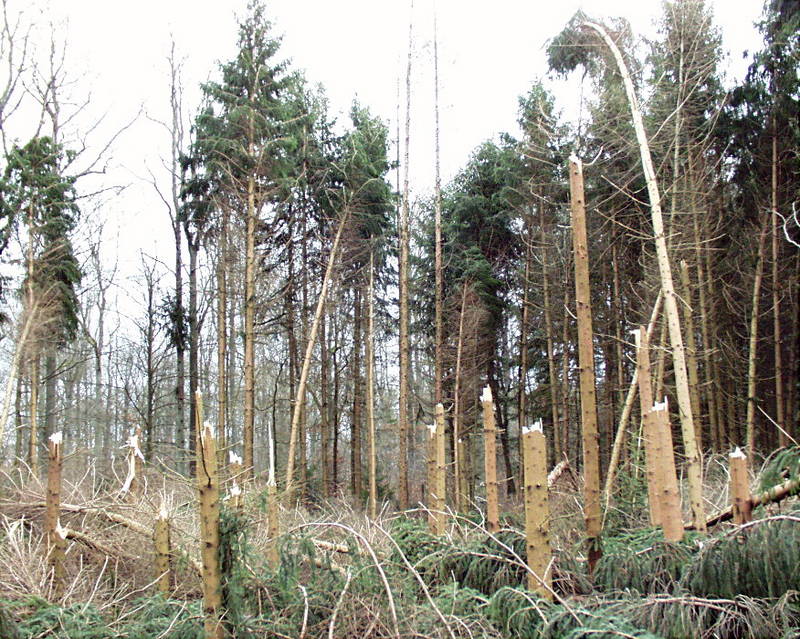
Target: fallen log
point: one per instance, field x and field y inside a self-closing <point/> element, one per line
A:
<point x="770" y="496"/>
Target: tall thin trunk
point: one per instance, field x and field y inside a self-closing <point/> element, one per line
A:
<point x="324" y="421"/>
<point x="404" y="346"/>
<point x="194" y="337"/>
<point x="373" y="482"/>
<point x="591" y="444"/>
<point x="437" y="204"/>
<point x="458" y="461"/>
<point x="783" y="440"/>
<point x="49" y="393"/>
<point x="750" y="434"/>
<point x="548" y="329"/>
<point x="222" y="337"/>
<point x="312" y="337"/>
<point x="33" y="439"/>
<point x="691" y="350"/>
<point x="249" y="330"/>
<point x="522" y="409"/>
<point x="694" y="467"/>
<point x="356" y="477"/>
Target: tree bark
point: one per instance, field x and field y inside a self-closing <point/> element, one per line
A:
<point x="590" y="436"/>
<point x="312" y="337"/>
<point x="404" y="346"/>
<point x="750" y="428"/>
<point x="694" y="469"/>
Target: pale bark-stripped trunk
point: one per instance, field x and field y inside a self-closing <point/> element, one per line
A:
<point x="370" y="355"/>
<point x="741" y="504"/>
<point x="783" y="440"/>
<point x="490" y="461"/>
<point x="691" y="350"/>
<point x="583" y="308"/>
<point x="437" y="204"/>
<point x="208" y="488"/>
<point x="56" y="536"/>
<point x="404" y="346"/>
<point x="312" y="338"/>
<point x="537" y="511"/>
<point x="458" y="460"/>
<point x="625" y="414"/>
<point x="750" y="436"/>
<point x="694" y="470"/>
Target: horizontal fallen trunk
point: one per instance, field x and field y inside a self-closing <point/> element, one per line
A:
<point x="774" y="494"/>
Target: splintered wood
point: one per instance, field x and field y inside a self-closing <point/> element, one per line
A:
<point x="537" y="511"/>
<point x="490" y="461"/>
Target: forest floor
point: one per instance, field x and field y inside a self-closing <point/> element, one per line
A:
<point x="344" y="575"/>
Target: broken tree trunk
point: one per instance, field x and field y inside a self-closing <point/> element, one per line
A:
<point x="642" y="338"/>
<point x="741" y="503"/>
<point x="694" y="470"/>
<point x="537" y="511"/>
<point x="490" y="461"/>
<point x="440" y="485"/>
<point x="299" y="401"/>
<point x="667" y="482"/>
<point x="625" y="416"/>
<point x="56" y="535"/>
<point x="208" y="488"/>
<point x="583" y="310"/>
<point x="161" y="544"/>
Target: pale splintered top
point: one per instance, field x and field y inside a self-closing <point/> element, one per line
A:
<point x="57" y="438"/>
<point x="661" y="405"/>
<point x="486" y="396"/>
<point x="234" y="458"/>
<point x="737" y="454"/>
<point x="536" y="427"/>
<point x="575" y="159"/>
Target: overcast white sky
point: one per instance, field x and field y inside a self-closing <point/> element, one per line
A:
<point x="489" y="54"/>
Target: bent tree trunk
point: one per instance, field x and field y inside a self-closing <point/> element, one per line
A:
<point x="693" y="461"/>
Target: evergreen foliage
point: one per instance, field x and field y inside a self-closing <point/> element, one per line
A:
<point x="643" y="562"/>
